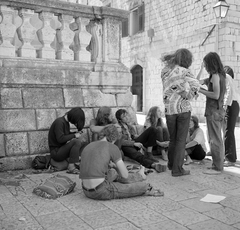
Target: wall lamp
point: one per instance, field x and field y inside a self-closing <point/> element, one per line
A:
<point x="220" y="10"/>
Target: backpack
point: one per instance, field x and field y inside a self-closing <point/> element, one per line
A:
<point x="41" y="162"/>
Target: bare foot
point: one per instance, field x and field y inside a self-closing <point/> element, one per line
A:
<point x="188" y="161"/>
<point x="141" y="172"/>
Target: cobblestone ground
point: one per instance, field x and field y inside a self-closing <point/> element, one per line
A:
<point x="180" y="208"/>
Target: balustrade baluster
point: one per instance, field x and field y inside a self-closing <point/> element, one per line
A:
<point x="7" y="30"/>
<point x="85" y="38"/>
<point x="46" y="35"/>
<point x="67" y="36"/>
<point x="26" y="34"/>
<point x="95" y="29"/>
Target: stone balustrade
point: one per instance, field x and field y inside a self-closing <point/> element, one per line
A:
<point x="54" y="56"/>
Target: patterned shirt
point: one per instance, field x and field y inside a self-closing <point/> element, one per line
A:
<point x="175" y="81"/>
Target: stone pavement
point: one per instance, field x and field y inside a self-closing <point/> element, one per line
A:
<point x="179" y="209"/>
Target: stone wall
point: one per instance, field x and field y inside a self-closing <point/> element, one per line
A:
<point x="35" y="90"/>
<point x="180" y="24"/>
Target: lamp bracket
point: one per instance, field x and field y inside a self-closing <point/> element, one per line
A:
<point x="208" y="34"/>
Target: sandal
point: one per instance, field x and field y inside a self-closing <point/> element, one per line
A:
<point x="73" y="171"/>
<point x="154" y="192"/>
<point x="132" y="167"/>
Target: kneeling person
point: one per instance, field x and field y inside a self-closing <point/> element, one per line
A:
<point x="102" y="182"/>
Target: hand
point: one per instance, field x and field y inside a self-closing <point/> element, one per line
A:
<point x="183" y="94"/>
<point x="77" y="135"/>
<point x="138" y="145"/>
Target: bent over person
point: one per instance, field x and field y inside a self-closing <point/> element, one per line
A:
<point x="104" y="174"/>
<point x="63" y="143"/>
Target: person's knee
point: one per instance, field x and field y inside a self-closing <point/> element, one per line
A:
<point x="77" y="142"/>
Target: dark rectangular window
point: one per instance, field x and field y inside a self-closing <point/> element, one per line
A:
<point x="125" y="28"/>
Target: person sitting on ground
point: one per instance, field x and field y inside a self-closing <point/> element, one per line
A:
<point x="104" y="117"/>
<point x="100" y="182"/>
<point x="133" y="144"/>
<point x="63" y="143"/>
<point x="154" y="119"/>
<point x="195" y="148"/>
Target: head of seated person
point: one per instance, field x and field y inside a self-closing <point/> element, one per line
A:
<point x="110" y="133"/>
<point x="104" y="116"/>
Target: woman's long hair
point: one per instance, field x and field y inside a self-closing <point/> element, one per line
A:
<point x="213" y="64"/>
<point x="195" y="123"/>
<point x="182" y="57"/>
<point x="103" y="116"/>
<point x="152" y="117"/>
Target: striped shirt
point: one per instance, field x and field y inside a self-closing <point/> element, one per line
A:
<point x="175" y="81"/>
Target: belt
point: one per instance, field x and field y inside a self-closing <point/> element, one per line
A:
<point x="92" y="189"/>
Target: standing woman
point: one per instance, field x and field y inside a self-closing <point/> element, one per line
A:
<point x="231" y="116"/>
<point x="179" y="87"/>
<point x="214" y="111"/>
<point x="154" y="119"/>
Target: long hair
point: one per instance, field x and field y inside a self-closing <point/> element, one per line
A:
<point x="152" y="117"/>
<point x="229" y="71"/>
<point x="103" y="116"/>
<point x="213" y="64"/>
<point x="182" y="57"/>
<point x="195" y="121"/>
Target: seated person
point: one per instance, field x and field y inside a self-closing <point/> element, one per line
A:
<point x="195" y="148"/>
<point x="100" y="182"/>
<point x="63" y="143"/>
<point x="154" y="119"/>
<point x="104" y="117"/>
<point x="132" y="144"/>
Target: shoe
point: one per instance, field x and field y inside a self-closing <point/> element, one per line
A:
<point x="228" y="164"/>
<point x="183" y="173"/>
<point x="160" y="168"/>
<point x="212" y="172"/>
<point x="151" y="157"/>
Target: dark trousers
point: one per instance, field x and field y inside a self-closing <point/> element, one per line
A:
<point x="70" y="150"/>
<point x="148" y="137"/>
<point x="135" y="154"/>
<point x="178" y="125"/>
<point x="196" y="152"/>
<point x="230" y="145"/>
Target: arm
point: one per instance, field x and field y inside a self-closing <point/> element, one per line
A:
<point x="197" y="140"/>
<point x="200" y="71"/>
<point x="122" y="170"/>
<point x="190" y="144"/>
<point x="216" y="88"/>
<point x="94" y="128"/>
<point x="61" y="137"/>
